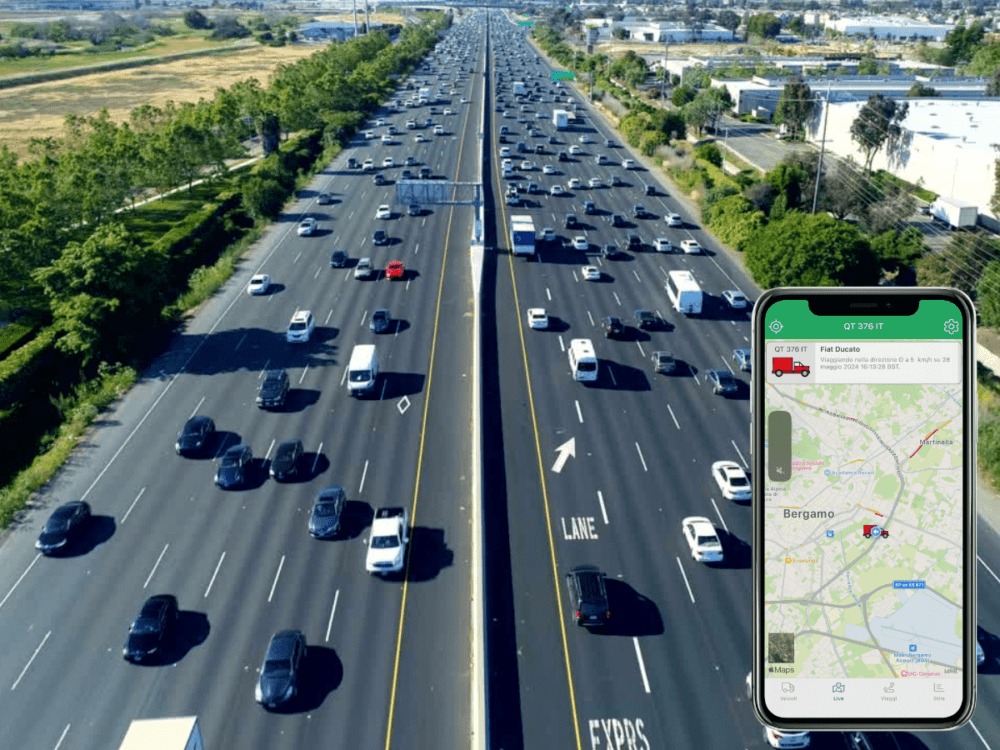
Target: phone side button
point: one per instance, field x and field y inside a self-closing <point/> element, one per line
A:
<point x="751" y="436"/>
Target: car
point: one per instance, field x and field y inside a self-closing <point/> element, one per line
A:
<point x="548" y="234"/>
<point x="548" y="169"/>
<point x="409" y="161"/>
<point x="438" y="130"/>
<point x="388" y="162"/>
<point x="327" y="512"/>
<point x="512" y="198"/>
<point x="573" y="184"/>
<point x="425" y="172"/>
<point x="638" y="211"/>
<point x="419" y="138"/>
<point x="153" y="629"/>
<point x="539" y="149"/>
<point x="608" y="143"/>
<point x="580" y="243"/>
<point x="394" y="270"/>
<point x="378" y="179"/>
<point x="368" y="165"/>
<point x="414" y="209"/>
<point x="352" y="163"/>
<point x="786" y="739"/>
<point x="646" y="320"/>
<point x="980" y="654"/>
<point x="504" y="130"/>
<point x="307" y="227"/>
<point x="924" y="210"/>
<point x="324" y="199"/>
<point x="662" y="245"/>
<point x="379" y="237"/>
<point x="575" y="150"/>
<point x="463" y="100"/>
<point x="609" y="251"/>
<point x="557" y="190"/>
<point x="736" y="299"/>
<point x="273" y="389"/>
<point x="65" y="524"/>
<point x="634" y="241"/>
<point x="363" y="269"/>
<point x="589" y="208"/>
<point x="383" y="212"/>
<point x="428" y="122"/>
<point x="386" y="138"/>
<point x="594" y="183"/>
<point x="234" y="466"/>
<point x="380" y="320"/>
<point x="600" y="160"/>
<point x="287" y="458"/>
<point x="563" y="156"/>
<point x="300" y="327"/>
<point x="664" y="362"/>
<point x="702" y="539"/>
<point x="613" y="327"/>
<point x="538" y="318"/>
<point x="527" y="166"/>
<point x="585" y="139"/>
<point x="553" y="140"/>
<point x="616" y="181"/>
<point x="447" y="111"/>
<point x="742" y="358"/>
<point x="628" y="163"/>
<point x="570" y="222"/>
<point x="732" y="480"/>
<point x="721" y="381"/>
<point x="591" y="273"/>
<point x="588" y="596"/>
<point x="281" y="672"/>
<point x="532" y="188"/>
<point x="691" y="247"/>
<point x="379" y="123"/>
<point x="195" y="435"/>
<point x="674" y="220"/>
<point x="260" y="283"/>
<point x="339" y="258"/>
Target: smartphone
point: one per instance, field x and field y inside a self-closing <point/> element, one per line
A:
<point x="863" y="433"/>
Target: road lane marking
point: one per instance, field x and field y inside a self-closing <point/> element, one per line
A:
<point x="201" y="402"/>
<point x="642" y="666"/>
<point x="636" y="276"/>
<point x="364" y="473"/>
<point x="673" y="417"/>
<point x="726" y="363"/>
<point x="548" y="294"/>
<point x="268" y="454"/>
<point x="342" y="377"/>
<point x="156" y="565"/>
<point x="981" y="738"/>
<point x="132" y="505"/>
<point x="62" y="737"/>
<point x="214" y="574"/>
<point x="591" y="318"/>
<point x="277" y="575"/>
<point x="363" y="316"/>
<point x="333" y="611"/>
<point x="562" y="346"/>
<point x="297" y="258"/>
<point x="616" y="299"/>
<point x="238" y="344"/>
<point x="611" y="372"/>
<point x="664" y="272"/>
<point x="303" y="375"/>
<point x="11" y="591"/>
<point x="719" y="514"/>
<point x="385" y="384"/>
<point x="745" y="464"/>
<point x="416" y="248"/>
<point x="646" y="468"/>
<point x="684" y="576"/>
<point x="12" y="687"/>
<point x="981" y="560"/>
<point x="579" y="414"/>
<point x="641" y="350"/>
<point x="328" y="316"/>
<point x="319" y="452"/>
<point x="604" y="511"/>
<point x="574" y="275"/>
<point x="318" y="269"/>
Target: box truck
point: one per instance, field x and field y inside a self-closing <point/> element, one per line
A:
<point x="518" y="88"/>
<point x="560" y="118"/>
<point x="955" y="213"/>
<point x="181" y="733"/>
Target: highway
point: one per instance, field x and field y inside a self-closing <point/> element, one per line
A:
<point x="671" y="671"/>
<point x="388" y="661"/>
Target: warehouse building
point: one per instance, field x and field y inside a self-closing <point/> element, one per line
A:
<point x="890" y="27"/>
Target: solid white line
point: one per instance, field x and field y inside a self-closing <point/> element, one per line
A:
<point x="363" y="475"/>
<point x="276" y="576"/>
<point x="719" y="514"/>
<point x="7" y="596"/>
<point x="591" y="318"/>
<point x="604" y="511"/>
<point x="303" y="375"/>
<point x="636" y="276"/>
<point x="333" y="610"/>
<point x="579" y="414"/>
<point x="240" y="342"/>
<point x="562" y="346"/>
<point x="641" y="350"/>
<point x="673" y="417"/>
<point x="201" y="402"/>
<point x="214" y="574"/>
<point x="156" y="565"/>
<point x="31" y="660"/>
<point x="684" y="576"/>
<point x="981" y="560"/>
<point x="745" y="464"/>
<point x="641" y="458"/>
<point x="616" y="299"/>
<point x="642" y="666"/>
<point x="981" y="738"/>
<point x="342" y="377"/>
<point x="62" y="737"/>
<point x="132" y="505"/>
<point x="548" y="294"/>
<point x="268" y="454"/>
<point x="363" y="316"/>
<point x="316" y="460"/>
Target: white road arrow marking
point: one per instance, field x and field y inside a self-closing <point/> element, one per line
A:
<point x="565" y="450"/>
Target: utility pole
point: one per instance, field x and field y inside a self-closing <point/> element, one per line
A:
<point x="822" y="146"/>
<point x="355" y="19"/>
<point x="368" y="26"/>
<point x="663" y="82"/>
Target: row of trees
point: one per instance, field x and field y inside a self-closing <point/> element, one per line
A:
<point x="107" y="27"/>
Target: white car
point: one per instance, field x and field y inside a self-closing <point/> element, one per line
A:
<point x="575" y="150"/>
<point x="383" y="212"/>
<point x="674" y="220"/>
<point x="504" y="152"/>
<point x="463" y="100"/>
<point x="438" y="130"/>
<point x="585" y="139"/>
<point x="419" y="138"/>
<point x="364" y="269"/>
<point x="548" y="234"/>
<point x="307" y="227"/>
<point x="379" y="123"/>
<point x="591" y="273"/>
<point x="369" y="134"/>
<point x="368" y="165"/>
<point x="386" y="139"/>
<point x="662" y="245"/>
<point x="595" y="182"/>
<point x="548" y="169"/>
<point x="628" y="163"/>
<point x="447" y="111"/>
<point x="732" y="480"/>
<point x="259" y="284"/>
<point x="691" y="247"/>
<point x="580" y="243"/>
<point x="736" y="299"/>
<point x="777" y="737"/>
<point x="411" y="124"/>
<point x="574" y="184"/>
<point x="527" y="166"/>
<point x="300" y="327"/>
<point x="556" y="190"/>
<point x="702" y="539"/>
<point x="538" y="318"/>
<point x="388" y="162"/>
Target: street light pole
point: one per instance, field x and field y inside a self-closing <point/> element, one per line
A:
<point x="822" y="147"/>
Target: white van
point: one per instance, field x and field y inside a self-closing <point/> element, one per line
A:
<point x="684" y="292"/>
<point x="362" y="370"/>
<point x="582" y="359"/>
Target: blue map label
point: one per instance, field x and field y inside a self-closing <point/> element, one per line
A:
<point x="909" y="584"/>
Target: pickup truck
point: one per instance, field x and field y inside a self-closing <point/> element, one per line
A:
<point x="388" y="540"/>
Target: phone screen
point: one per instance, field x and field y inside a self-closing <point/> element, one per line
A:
<point x="863" y="506"/>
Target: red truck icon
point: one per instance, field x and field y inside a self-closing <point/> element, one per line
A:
<point x="882" y="533"/>
<point x="781" y="365"/>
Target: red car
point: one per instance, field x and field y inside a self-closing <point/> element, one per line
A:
<point x="394" y="270"/>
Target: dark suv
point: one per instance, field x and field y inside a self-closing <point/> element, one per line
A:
<point x="617" y="220"/>
<point x="634" y="242"/>
<point x="588" y="596"/>
<point x="613" y="327"/>
<point x="571" y="222"/>
<point x="379" y="237"/>
<point x="287" y="458"/>
<point x="273" y="389"/>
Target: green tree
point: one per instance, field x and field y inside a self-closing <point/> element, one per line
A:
<point x="877" y="125"/>
<point x="960" y="264"/>
<point x="706" y="108"/>
<point x="227" y="27"/>
<point x="919" y="90"/>
<point x="807" y="250"/>
<point x="789" y="179"/>
<point x="896" y="249"/>
<point x="795" y="106"/>
<point x="962" y="43"/>
<point x="988" y="295"/>
<point x="734" y="221"/>
<point x="619" y="33"/>
<point x="195" y="19"/>
<point x="710" y="152"/>
<point x="867" y="66"/>
<point x="764" y="25"/>
<point x="995" y="200"/>
<point x="728" y="19"/>
<point x="263" y="197"/>
<point x="682" y="95"/>
<point x="762" y="195"/>
<point x="986" y="60"/>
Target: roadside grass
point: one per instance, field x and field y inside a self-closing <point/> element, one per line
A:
<point x="14" y="335"/>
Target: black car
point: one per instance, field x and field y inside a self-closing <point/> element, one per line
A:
<point x="273" y="389"/>
<point x="338" y="259"/>
<point x="646" y="319"/>
<point x="571" y="222"/>
<point x="379" y="237"/>
<point x="609" y="251"/>
<point x="634" y="242"/>
<point x="352" y="163"/>
<point x="191" y="440"/>
<point x="324" y="521"/>
<point x="638" y="211"/>
<point x="649" y="189"/>
<point x="380" y="319"/>
<point x="425" y="173"/>
<point x="324" y="199"/>
<point x="563" y="156"/>
<point x="406" y="174"/>
<point x="588" y="596"/>
<point x="617" y="220"/>
<point x="664" y="362"/>
<point x="722" y="381"/>
<point x="613" y="327"/>
<point x="553" y="140"/>
<point x="616" y="181"/>
<point x="539" y="149"/>
<point x="503" y="139"/>
<point x="413" y="209"/>
<point x="152" y="629"/>
<point x="233" y="468"/>
<point x="378" y="179"/>
<point x="409" y="161"/>
<point x="63" y="525"/>
<point x="589" y="208"/>
<point x="608" y="143"/>
<point x="287" y="458"/>
<point x="281" y="672"/>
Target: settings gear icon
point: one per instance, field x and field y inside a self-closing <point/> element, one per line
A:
<point x="776" y="327"/>
<point x="951" y="327"/>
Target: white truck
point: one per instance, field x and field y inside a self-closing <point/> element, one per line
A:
<point x="518" y="88"/>
<point x="362" y="370"/>
<point x="560" y="118"/>
<point x="522" y="235"/>
<point x="181" y="733"/>
<point x="955" y="213"/>
<point x="388" y="540"/>
<point x="424" y="93"/>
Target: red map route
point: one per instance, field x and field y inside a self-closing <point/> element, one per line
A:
<point x="926" y="438"/>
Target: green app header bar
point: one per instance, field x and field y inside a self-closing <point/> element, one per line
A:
<point x="791" y="319"/>
<point x="562" y="75"/>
